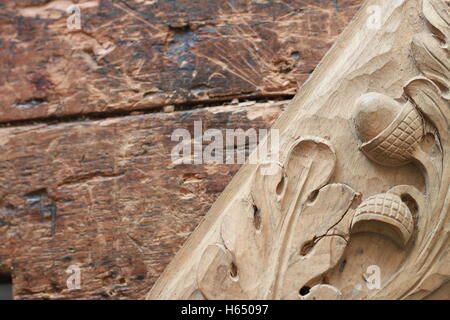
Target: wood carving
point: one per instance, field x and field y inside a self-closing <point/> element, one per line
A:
<point x="272" y="250"/>
<point x="363" y="179"/>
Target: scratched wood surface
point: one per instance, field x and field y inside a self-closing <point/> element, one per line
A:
<point x="140" y="54"/>
<point x="105" y="195"/>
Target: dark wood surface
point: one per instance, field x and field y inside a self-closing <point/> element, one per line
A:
<point x="136" y="54"/>
<point x="106" y="196"/>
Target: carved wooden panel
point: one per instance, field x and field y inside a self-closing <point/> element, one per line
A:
<point x="362" y="183"/>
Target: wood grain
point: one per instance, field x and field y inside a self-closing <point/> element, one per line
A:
<point x="133" y="55"/>
<point x="105" y="195"/>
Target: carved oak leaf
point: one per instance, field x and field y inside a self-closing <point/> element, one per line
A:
<point x="315" y="247"/>
<point x="430" y="56"/>
<point x="323" y="292"/>
<point x="262" y="245"/>
<point x="431" y="50"/>
<point x="436" y="12"/>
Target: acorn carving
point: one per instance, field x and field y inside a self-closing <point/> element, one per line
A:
<point x="385" y="214"/>
<point x="389" y="131"/>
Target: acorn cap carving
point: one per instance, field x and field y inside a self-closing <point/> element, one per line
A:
<point x="385" y="214"/>
<point x="388" y="130"/>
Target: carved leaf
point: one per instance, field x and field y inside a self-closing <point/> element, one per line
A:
<point x="431" y="50"/>
<point x="430" y="57"/>
<point x="268" y="236"/>
<point x="436" y="12"/>
<point x="315" y="247"/>
<point x="216" y="279"/>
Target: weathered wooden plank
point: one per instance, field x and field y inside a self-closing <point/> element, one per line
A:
<point x="105" y="195"/>
<point x="132" y="55"/>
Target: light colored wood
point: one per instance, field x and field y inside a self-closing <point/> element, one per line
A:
<point x="362" y="184"/>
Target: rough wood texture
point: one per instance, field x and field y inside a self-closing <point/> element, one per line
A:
<point x="105" y="195"/>
<point x="138" y="54"/>
<point x="363" y="180"/>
